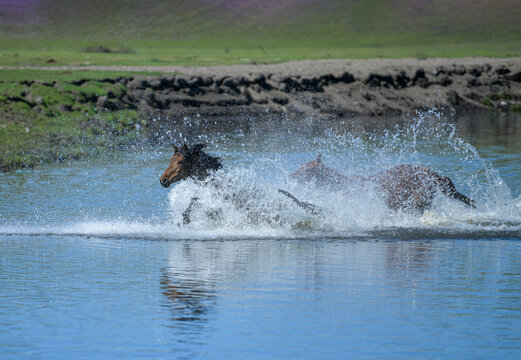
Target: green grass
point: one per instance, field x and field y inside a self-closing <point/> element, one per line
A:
<point x="164" y="56"/>
<point x="250" y="23"/>
<point x="28" y="139"/>
<point x="200" y="32"/>
<point x="43" y="121"/>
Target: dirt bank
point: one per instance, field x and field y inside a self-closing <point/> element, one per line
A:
<point x="337" y="87"/>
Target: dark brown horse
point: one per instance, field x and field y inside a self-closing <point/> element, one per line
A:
<point x="189" y="163"/>
<point x="402" y="187"/>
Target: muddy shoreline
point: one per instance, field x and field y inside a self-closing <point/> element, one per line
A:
<point x="375" y="87"/>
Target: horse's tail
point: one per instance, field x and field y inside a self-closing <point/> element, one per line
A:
<point x="312" y="209"/>
<point x="448" y="188"/>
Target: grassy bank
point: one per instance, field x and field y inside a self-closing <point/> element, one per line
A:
<point x="49" y="116"/>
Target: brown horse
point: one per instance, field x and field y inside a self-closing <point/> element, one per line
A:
<point x="402" y="187"/>
<point x="196" y="164"/>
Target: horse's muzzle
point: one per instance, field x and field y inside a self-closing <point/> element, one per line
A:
<point x="164" y="182"/>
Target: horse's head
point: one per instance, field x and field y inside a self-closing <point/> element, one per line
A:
<point x="189" y="162"/>
<point x="309" y="171"/>
<point x="316" y="171"/>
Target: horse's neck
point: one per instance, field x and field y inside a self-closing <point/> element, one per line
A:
<point x="207" y="176"/>
<point x="356" y="178"/>
<point x="336" y="177"/>
<point x="204" y="168"/>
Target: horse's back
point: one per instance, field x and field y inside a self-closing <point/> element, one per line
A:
<point x="407" y="186"/>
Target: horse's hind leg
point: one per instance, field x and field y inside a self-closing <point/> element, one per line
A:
<point x="448" y="188"/>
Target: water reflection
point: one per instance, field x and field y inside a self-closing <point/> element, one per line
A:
<point x="315" y="298"/>
<point x="500" y="128"/>
<point x="414" y="255"/>
<point x="189" y="295"/>
<point x="415" y="295"/>
<point x="494" y="128"/>
<point x="189" y="300"/>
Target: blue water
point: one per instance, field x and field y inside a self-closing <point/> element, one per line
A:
<point x="94" y="262"/>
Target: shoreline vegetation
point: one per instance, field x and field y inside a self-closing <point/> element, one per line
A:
<point x="61" y="113"/>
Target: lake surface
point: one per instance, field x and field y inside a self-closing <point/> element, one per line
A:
<point x="95" y="261"/>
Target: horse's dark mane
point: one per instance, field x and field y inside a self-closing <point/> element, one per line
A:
<point x="202" y="162"/>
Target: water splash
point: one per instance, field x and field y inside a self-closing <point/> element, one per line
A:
<point x="248" y="199"/>
<point x="247" y="203"/>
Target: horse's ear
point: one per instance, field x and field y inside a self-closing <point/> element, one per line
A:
<point x="185" y="148"/>
<point x="319" y="158"/>
<point x="176" y="149"/>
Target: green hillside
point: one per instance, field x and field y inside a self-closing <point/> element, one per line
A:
<point x="231" y="31"/>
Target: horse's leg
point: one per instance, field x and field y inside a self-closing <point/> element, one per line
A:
<point x="215" y="215"/>
<point x="188" y="211"/>
<point x="313" y="209"/>
<point x="448" y="188"/>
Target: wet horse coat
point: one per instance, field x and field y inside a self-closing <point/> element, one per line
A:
<point x="402" y="187"/>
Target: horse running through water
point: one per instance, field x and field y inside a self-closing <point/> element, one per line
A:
<point x="196" y="164"/>
<point x="189" y="162"/>
<point x="403" y="187"/>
